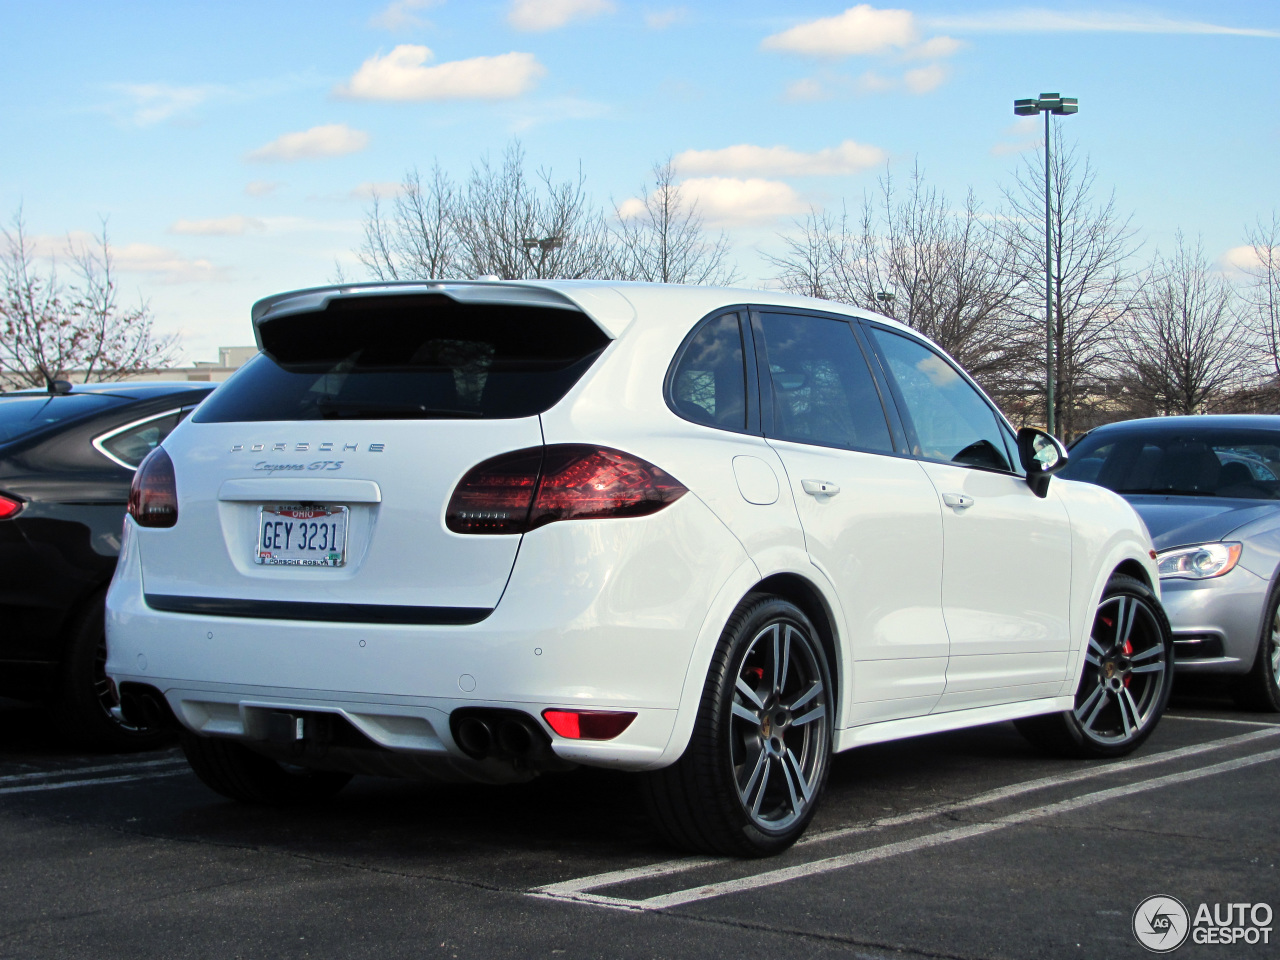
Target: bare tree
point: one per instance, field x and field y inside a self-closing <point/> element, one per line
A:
<point x="417" y="239"/>
<point x="915" y="258"/>
<point x="660" y="238"/>
<point x="52" y="328"/>
<point x="1094" y="277"/>
<point x="1264" y="289"/>
<point x="1184" y="342"/>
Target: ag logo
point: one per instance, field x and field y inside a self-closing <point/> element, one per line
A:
<point x="1161" y="924"/>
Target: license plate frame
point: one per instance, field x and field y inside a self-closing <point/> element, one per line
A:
<point x="321" y="527"/>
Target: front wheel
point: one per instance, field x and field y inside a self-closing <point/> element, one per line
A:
<point x="1259" y="689"/>
<point x="1127" y="678"/>
<point x="756" y="765"/>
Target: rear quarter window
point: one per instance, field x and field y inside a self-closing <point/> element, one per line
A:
<point x="421" y="357"/>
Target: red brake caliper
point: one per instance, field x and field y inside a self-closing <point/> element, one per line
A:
<point x="1128" y="651"/>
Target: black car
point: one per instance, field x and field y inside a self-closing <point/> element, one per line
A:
<point x="67" y="457"/>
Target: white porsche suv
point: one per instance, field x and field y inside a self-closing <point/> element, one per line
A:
<point x="486" y="529"/>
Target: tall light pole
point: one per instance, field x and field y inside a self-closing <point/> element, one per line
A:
<point x="1048" y="103"/>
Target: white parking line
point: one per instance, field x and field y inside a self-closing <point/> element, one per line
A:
<point x="92" y="781"/>
<point x="79" y="771"/>
<point x="829" y="864"/>
<point x="1243" y="723"/>
<point x="992" y="796"/>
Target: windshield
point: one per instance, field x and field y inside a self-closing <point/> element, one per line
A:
<point x="1191" y="463"/>
<point x="25" y="414"/>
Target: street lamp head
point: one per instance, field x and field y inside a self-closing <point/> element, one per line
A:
<point x="1048" y="103"/>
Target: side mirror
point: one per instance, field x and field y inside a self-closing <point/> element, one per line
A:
<point x="1042" y="456"/>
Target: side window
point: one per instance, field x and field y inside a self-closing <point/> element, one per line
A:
<point x="709" y="383"/>
<point x="130" y="446"/>
<point x="952" y="422"/>
<point x="823" y="391"/>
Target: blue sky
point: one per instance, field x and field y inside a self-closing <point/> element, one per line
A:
<point x="232" y="146"/>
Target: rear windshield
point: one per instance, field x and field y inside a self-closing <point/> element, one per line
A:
<point x="24" y="415"/>
<point x="421" y="357"/>
<point x="1197" y="463"/>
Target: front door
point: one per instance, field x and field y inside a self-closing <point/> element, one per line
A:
<point x="1007" y="555"/>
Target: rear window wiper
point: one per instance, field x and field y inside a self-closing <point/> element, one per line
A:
<point x="335" y="409"/>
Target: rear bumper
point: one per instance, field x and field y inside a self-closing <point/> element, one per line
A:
<point x="597" y="615"/>
<point x="1216" y="623"/>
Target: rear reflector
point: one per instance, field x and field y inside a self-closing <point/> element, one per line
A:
<point x="527" y="489"/>
<point x="9" y="507"/>
<point x="588" y="724"/>
<point x="153" y="497"/>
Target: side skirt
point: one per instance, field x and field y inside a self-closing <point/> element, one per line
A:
<point x="851" y="737"/>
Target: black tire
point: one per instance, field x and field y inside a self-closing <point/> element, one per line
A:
<point x="86" y="709"/>
<point x="1130" y="647"/>
<point x="236" y="772"/>
<point x="1259" y="689"/>
<point x="751" y="777"/>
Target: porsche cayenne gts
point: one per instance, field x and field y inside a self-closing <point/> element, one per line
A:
<point x="486" y="529"/>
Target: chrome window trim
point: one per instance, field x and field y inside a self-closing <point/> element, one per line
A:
<point x="99" y="441"/>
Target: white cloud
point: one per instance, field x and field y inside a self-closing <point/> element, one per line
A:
<point x="925" y="79"/>
<point x="1053" y="21"/>
<point x="634" y="207"/>
<point x="1022" y="135"/>
<point x="166" y="265"/>
<point x="330" y="140"/>
<point x="1245" y="259"/>
<point x="806" y="88"/>
<point x="935" y="48"/>
<point x="727" y="200"/>
<point x="400" y="75"/>
<point x="661" y="19"/>
<point x="231" y="226"/>
<point x="380" y="188"/>
<point x="152" y="103"/>
<point x="539" y="15"/>
<point x="872" y="82"/>
<point x="262" y="188"/>
<point x="849" y="157"/>
<point x="402" y="15"/>
<point x="859" y="30"/>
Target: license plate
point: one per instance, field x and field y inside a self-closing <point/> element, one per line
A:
<point x="302" y="535"/>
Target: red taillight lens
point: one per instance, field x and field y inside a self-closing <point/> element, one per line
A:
<point x="527" y="489"/>
<point x="9" y="507"/>
<point x="153" y="497"/>
<point x="588" y="724"/>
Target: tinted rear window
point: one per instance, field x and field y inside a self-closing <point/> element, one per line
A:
<point x="1195" y="463"/>
<point x="423" y="357"/>
<point x="20" y="416"/>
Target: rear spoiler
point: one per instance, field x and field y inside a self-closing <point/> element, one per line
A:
<point x="610" y="310"/>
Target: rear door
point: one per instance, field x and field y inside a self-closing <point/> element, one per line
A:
<point x="351" y="431"/>
<point x="871" y="519"/>
<point x="1006" y="586"/>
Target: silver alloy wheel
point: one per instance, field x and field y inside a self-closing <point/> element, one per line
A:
<point x="1275" y="647"/>
<point x="1125" y="671"/>
<point x="779" y="726"/>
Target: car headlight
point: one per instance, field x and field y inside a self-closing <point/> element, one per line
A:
<point x="1198" y="563"/>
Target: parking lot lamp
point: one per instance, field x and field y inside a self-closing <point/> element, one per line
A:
<point x="1048" y="103"/>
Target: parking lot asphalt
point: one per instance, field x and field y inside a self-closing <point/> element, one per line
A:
<point x="966" y="845"/>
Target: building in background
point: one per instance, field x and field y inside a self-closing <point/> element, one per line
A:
<point x="230" y="359"/>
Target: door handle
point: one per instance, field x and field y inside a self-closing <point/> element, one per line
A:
<point x="958" y="500"/>
<point x="819" y="488"/>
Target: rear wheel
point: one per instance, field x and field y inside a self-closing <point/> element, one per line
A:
<point x="1127" y="678"/>
<point x="756" y="765"/>
<point x="1259" y="689"/>
<point x="86" y="708"/>
<point x="236" y="772"/>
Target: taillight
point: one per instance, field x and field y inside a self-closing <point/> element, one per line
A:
<point x="527" y="489"/>
<point x="9" y="507"/>
<point x="153" y="497"/>
<point x="588" y="724"/>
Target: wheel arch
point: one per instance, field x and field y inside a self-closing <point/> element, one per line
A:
<point x="1133" y="568"/>
<point x="805" y="594"/>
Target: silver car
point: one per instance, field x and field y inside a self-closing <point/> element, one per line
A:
<point x="1208" y="488"/>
